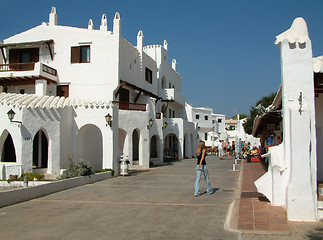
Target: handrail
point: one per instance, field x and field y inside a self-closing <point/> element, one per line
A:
<point x="17" y="67"/>
<point x="49" y="70"/>
<point x="131" y="106"/>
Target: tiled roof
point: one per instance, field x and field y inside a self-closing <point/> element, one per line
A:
<point x="35" y="101"/>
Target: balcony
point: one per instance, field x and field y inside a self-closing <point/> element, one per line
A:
<point x="171" y="94"/>
<point x="26" y="73"/>
<point x="131" y="106"/>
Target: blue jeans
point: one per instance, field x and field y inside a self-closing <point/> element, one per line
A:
<point x="209" y="189"/>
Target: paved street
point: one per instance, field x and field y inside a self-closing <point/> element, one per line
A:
<point x="158" y="203"/>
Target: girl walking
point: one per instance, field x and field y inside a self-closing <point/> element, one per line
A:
<point x="201" y="167"/>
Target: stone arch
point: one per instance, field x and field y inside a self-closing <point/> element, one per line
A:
<point x="7" y="148"/>
<point x="89" y="145"/>
<point x="40" y="149"/>
<point x="135" y="146"/>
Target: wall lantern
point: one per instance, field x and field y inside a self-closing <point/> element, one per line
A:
<point x="165" y="124"/>
<point x="150" y="123"/>
<point x="11" y="114"/>
<point x="108" y="118"/>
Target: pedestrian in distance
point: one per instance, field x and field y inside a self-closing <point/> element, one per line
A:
<point x="220" y="149"/>
<point x="202" y="167"/>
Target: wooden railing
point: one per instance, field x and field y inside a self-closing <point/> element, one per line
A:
<point x="131" y="106"/>
<point x="17" y="67"/>
<point x="49" y="70"/>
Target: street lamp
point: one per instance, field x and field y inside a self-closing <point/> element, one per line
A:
<point x="150" y="123"/>
<point x="11" y="114"/>
<point x="108" y="119"/>
<point x="165" y="124"/>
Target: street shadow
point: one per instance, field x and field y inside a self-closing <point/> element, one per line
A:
<point x="214" y="191"/>
<point x="137" y="172"/>
<point x="315" y="234"/>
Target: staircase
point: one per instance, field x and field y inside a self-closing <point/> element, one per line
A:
<point x="320" y="201"/>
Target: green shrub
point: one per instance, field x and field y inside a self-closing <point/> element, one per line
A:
<point x="108" y="170"/>
<point x="31" y="176"/>
<point x="75" y="169"/>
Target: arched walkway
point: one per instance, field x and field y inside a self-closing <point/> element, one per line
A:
<point x="135" y="146"/>
<point x="154" y="142"/>
<point x="90" y="146"/>
<point x="8" y="153"/>
<point x="40" y="150"/>
<point x="171" y="144"/>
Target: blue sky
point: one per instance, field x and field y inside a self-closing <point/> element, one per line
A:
<point x="225" y="50"/>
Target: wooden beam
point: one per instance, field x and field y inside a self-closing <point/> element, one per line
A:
<point x="50" y="51"/>
<point x="122" y="84"/>
<point x="4" y="57"/>
<point x="137" y="97"/>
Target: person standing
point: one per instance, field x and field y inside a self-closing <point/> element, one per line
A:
<point x="201" y="167"/>
<point x="220" y="149"/>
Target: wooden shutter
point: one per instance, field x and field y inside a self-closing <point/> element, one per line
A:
<point x="75" y="54"/>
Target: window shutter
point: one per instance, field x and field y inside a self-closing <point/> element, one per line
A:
<point x="75" y="54"/>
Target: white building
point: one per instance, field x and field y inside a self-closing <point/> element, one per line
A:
<point x="235" y="130"/>
<point x="62" y="81"/>
<point x="296" y="165"/>
<point x="211" y="126"/>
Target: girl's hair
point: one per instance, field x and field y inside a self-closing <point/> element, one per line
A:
<point x="199" y="148"/>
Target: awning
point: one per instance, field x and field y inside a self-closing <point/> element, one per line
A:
<point x="266" y="122"/>
<point x="26" y="44"/>
<point x="141" y="90"/>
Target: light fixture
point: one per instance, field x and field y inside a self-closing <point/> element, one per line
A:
<point x="150" y="123"/>
<point x="11" y="114"/>
<point x="165" y="124"/>
<point x="108" y="118"/>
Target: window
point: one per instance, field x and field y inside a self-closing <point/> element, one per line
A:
<point x="80" y="54"/>
<point x="213" y="121"/>
<point x="206" y="117"/>
<point x="149" y="75"/>
<point x="205" y="136"/>
<point x="219" y="120"/>
<point x="173" y="114"/>
<point x="169" y="113"/>
<point x="22" y="91"/>
<point x="169" y="85"/>
<point x="197" y="116"/>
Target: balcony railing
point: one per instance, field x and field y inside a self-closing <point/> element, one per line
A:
<point x="131" y="106"/>
<point x="49" y="70"/>
<point x="17" y="67"/>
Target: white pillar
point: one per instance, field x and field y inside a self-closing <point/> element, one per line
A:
<point x="41" y="87"/>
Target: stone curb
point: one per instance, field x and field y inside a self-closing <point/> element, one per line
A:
<point x="24" y="194"/>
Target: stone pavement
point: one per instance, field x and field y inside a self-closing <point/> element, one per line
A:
<point x="256" y="213"/>
<point x="158" y="203"/>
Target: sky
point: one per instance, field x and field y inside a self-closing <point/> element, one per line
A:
<point x="225" y="50"/>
